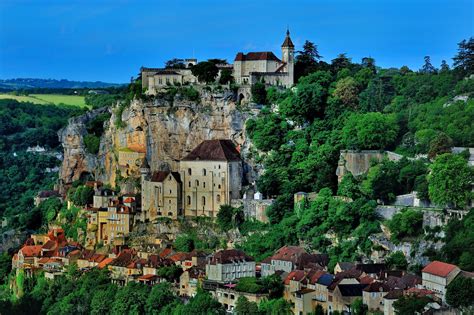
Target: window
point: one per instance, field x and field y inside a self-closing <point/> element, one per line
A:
<point x="203" y="201"/>
<point x="204" y="184"/>
<point x="219" y="186"/>
<point x="197" y="182"/>
<point x="204" y="172"/>
<point x="170" y="213"/>
<point x="189" y="171"/>
<point x="189" y="183"/>
<point x="169" y="201"/>
<point x="218" y="198"/>
<point x="189" y="200"/>
<point x="219" y="166"/>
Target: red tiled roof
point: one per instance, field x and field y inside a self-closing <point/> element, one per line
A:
<point x="148" y="277"/>
<point x="295" y="275"/>
<point x="366" y="280"/>
<point x="419" y="292"/>
<point x="97" y="258"/>
<point x="104" y="263"/>
<point x="49" y="245"/>
<point x="165" y="252"/>
<point x="228" y="256"/>
<point x="251" y="56"/>
<point x="180" y="256"/>
<point x="377" y="287"/>
<point x="439" y="268"/>
<point x="31" y="250"/>
<point x="214" y="150"/>
<point x="288" y="253"/>
<point x="129" y="200"/>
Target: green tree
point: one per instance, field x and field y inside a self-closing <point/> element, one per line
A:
<point x="369" y="131"/>
<point x="275" y="307"/>
<point x="203" y="303"/>
<point x="464" y="60"/>
<point x="259" y="93"/>
<point x="346" y="90"/>
<point x="245" y="307"/>
<point x="406" y="223"/>
<point x="450" y="181"/>
<point x="460" y="292"/>
<point x="397" y="260"/>
<point x="226" y="77"/>
<point x="205" y="71"/>
<point x="410" y="305"/>
<point x="428" y="67"/>
<point x="319" y="310"/>
<point x="5" y="267"/>
<point x="184" y="243"/>
<point x="160" y="296"/>
<point x="306" y="105"/>
<point x="358" y="307"/>
<point x="440" y="144"/>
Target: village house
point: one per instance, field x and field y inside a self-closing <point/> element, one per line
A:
<point x="437" y="276"/>
<point x="289" y="258"/>
<point x="343" y="295"/>
<point x="229" y="265"/>
<point x="373" y="294"/>
<point x="45" y="195"/>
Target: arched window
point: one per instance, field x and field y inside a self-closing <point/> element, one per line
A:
<point x="189" y="171"/>
<point x="204" y="172"/>
<point x="218" y="198"/>
<point x="204" y="184"/>
<point x="203" y="201"/>
<point x="197" y="182"/>
<point x="189" y="200"/>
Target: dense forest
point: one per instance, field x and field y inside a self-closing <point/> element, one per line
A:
<point x="344" y="105"/>
<point x="23" y="174"/>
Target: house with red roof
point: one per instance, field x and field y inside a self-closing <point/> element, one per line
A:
<point x="437" y="275"/>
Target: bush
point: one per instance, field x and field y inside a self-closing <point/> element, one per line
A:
<point x="92" y="143"/>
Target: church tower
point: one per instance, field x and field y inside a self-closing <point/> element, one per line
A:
<point x="288" y="56"/>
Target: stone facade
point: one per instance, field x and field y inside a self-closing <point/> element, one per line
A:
<point x="253" y="67"/>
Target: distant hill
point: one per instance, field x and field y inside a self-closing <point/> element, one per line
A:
<point x="28" y="83"/>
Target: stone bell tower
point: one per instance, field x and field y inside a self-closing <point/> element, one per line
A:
<point x="288" y="56"/>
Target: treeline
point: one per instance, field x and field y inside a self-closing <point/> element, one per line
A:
<point x="93" y="293"/>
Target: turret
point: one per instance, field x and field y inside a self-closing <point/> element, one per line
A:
<point x="288" y="52"/>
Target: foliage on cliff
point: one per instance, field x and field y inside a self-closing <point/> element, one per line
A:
<point x="346" y="105"/>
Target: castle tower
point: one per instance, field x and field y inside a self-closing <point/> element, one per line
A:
<point x="287" y="56"/>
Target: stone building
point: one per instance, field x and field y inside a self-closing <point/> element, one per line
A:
<point x="230" y="265"/>
<point x="437" y="275"/>
<point x="212" y="176"/>
<point x="253" y="67"/>
<point x="161" y="194"/>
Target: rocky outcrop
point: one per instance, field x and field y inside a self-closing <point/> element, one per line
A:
<point x="358" y="162"/>
<point x="166" y="131"/>
<point x="77" y="162"/>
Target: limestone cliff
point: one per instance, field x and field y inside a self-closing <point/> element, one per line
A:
<point x="77" y="161"/>
<point x="164" y="131"/>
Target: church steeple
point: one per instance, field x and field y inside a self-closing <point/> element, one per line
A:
<point x="288" y="42"/>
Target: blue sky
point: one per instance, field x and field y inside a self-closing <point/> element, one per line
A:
<point x="110" y="40"/>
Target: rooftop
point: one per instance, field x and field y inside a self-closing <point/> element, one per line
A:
<point x="252" y="56"/>
<point x="214" y="150"/>
<point x="439" y="268"/>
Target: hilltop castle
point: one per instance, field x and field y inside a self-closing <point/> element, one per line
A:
<point x="247" y="70"/>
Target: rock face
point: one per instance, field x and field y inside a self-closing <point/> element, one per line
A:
<point x="77" y="162"/>
<point x="165" y="131"/>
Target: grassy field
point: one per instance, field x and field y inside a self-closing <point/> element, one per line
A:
<point x="56" y="99"/>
